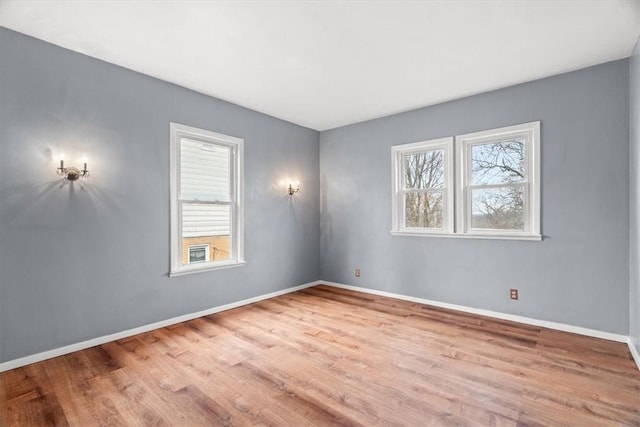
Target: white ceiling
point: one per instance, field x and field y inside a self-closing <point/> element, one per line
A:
<point x="324" y="64"/>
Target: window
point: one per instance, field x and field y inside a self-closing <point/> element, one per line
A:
<point x="198" y="253"/>
<point x="499" y="188"/>
<point x="497" y="185"/>
<point x="424" y="186"/>
<point x="206" y="200"/>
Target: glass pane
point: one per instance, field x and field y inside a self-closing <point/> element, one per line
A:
<point x="204" y="171"/>
<point x="498" y="208"/>
<point x="197" y="254"/>
<point x="498" y="163"/>
<point x="424" y="170"/>
<point x="206" y="224"/>
<point x="423" y="210"/>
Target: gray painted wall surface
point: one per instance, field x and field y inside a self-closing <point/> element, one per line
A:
<point x="578" y="275"/>
<point x="84" y="260"/>
<point x="634" y="164"/>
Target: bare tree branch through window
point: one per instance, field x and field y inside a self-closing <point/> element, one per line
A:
<point x="497" y="201"/>
<point x="424" y="175"/>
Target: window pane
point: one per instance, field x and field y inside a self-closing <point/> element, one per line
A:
<point x="204" y="171"/>
<point x="198" y="254"/>
<point x="424" y="170"/>
<point x="423" y="210"/>
<point x="498" y="163"/>
<point x="206" y="224"/>
<point x="498" y="208"/>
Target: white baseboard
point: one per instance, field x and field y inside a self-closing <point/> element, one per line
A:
<point x="634" y="352"/>
<point x="49" y="354"/>
<point x="23" y="361"/>
<point x="497" y="315"/>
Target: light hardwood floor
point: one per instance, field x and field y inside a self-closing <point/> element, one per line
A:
<point x="327" y="356"/>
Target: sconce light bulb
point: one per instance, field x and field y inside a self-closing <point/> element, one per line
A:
<point x="84" y="159"/>
<point x="61" y="156"/>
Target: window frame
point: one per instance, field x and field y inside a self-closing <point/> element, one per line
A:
<point x="457" y="206"/>
<point x="398" y="192"/>
<point x="236" y="145"/>
<point x="531" y="133"/>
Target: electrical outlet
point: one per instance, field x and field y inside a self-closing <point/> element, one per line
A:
<point x="513" y="293"/>
<point x="357" y="272"/>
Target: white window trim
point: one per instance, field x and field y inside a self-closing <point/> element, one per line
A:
<point x="457" y="192"/>
<point x="531" y="131"/>
<point x="178" y="131"/>
<point x="206" y="252"/>
<point x="397" y="212"/>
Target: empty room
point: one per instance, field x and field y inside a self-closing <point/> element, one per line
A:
<point x="319" y="213"/>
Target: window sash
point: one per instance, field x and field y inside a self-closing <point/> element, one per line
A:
<point x="468" y="150"/>
<point x="530" y="132"/>
<point x="403" y="165"/>
<point x="403" y="209"/>
<point x="399" y="189"/>
<point x="200" y="157"/>
<point x="525" y="209"/>
<point x="231" y="202"/>
<point x="181" y="211"/>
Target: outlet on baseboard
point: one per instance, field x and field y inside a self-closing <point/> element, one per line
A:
<point x="513" y="293"/>
<point x="357" y="272"/>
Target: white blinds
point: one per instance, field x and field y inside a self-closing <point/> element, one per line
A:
<point x="199" y="220"/>
<point x="205" y="177"/>
<point x="204" y="171"/>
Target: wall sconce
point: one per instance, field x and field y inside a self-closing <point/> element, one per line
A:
<point x="292" y="190"/>
<point x="72" y="173"/>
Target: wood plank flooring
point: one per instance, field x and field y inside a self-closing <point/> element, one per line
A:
<point x="327" y="356"/>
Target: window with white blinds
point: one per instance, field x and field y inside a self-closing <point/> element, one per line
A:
<point x="206" y="195"/>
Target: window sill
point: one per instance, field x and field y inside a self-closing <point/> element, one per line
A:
<point x="182" y="271"/>
<point x="531" y="237"/>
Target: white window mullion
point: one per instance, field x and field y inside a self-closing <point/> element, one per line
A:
<point x="490" y="186"/>
<point x="527" y="207"/>
<point x="426" y="190"/>
<point x="232" y="192"/>
<point x="461" y="188"/>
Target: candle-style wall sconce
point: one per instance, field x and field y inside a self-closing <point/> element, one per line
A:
<point x="293" y="190"/>
<point x="72" y="173"/>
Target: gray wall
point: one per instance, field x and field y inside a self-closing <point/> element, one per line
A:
<point x="578" y="275"/>
<point x="84" y="260"/>
<point x="634" y="164"/>
<point x="89" y="259"/>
